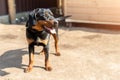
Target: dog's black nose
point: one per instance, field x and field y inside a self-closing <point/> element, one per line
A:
<point x="55" y="22"/>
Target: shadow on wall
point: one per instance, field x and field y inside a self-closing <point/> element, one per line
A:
<point x="12" y="58"/>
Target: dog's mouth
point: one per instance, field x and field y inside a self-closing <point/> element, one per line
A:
<point x="50" y="30"/>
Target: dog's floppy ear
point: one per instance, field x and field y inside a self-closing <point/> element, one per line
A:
<point x="30" y="22"/>
<point x="27" y="23"/>
<point x="50" y="12"/>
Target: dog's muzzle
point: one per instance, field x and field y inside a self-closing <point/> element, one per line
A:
<point x="49" y="30"/>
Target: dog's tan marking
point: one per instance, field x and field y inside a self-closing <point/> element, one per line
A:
<point x="38" y="27"/>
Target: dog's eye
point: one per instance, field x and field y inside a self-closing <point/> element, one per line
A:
<point x="37" y="15"/>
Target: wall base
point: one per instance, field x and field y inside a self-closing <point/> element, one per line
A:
<point x="98" y="26"/>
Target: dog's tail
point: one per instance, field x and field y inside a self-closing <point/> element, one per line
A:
<point x="62" y="18"/>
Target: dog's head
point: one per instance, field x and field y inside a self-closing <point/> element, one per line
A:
<point x="43" y="14"/>
<point x="39" y="20"/>
<point x="44" y="18"/>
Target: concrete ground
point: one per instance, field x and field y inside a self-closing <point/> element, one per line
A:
<point x="86" y="54"/>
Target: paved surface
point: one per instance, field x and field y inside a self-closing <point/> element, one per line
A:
<point x="86" y="54"/>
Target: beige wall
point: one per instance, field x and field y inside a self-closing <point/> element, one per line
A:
<point x="93" y="10"/>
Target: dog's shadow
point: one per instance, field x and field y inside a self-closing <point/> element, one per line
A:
<point x="11" y="59"/>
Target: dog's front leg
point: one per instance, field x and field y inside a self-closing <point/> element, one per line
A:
<point x="46" y="52"/>
<point x="31" y="58"/>
<point x="56" y="44"/>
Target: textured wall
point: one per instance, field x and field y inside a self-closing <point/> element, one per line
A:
<point x="93" y="10"/>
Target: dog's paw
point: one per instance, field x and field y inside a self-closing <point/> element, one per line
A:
<point x="28" y="70"/>
<point x="48" y="68"/>
<point x="57" y="54"/>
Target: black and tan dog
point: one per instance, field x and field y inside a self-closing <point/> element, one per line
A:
<point x="40" y="25"/>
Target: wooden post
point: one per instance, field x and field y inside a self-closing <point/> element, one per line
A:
<point x="60" y="7"/>
<point x="12" y="11"/>
<point x="59" y="3"/>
